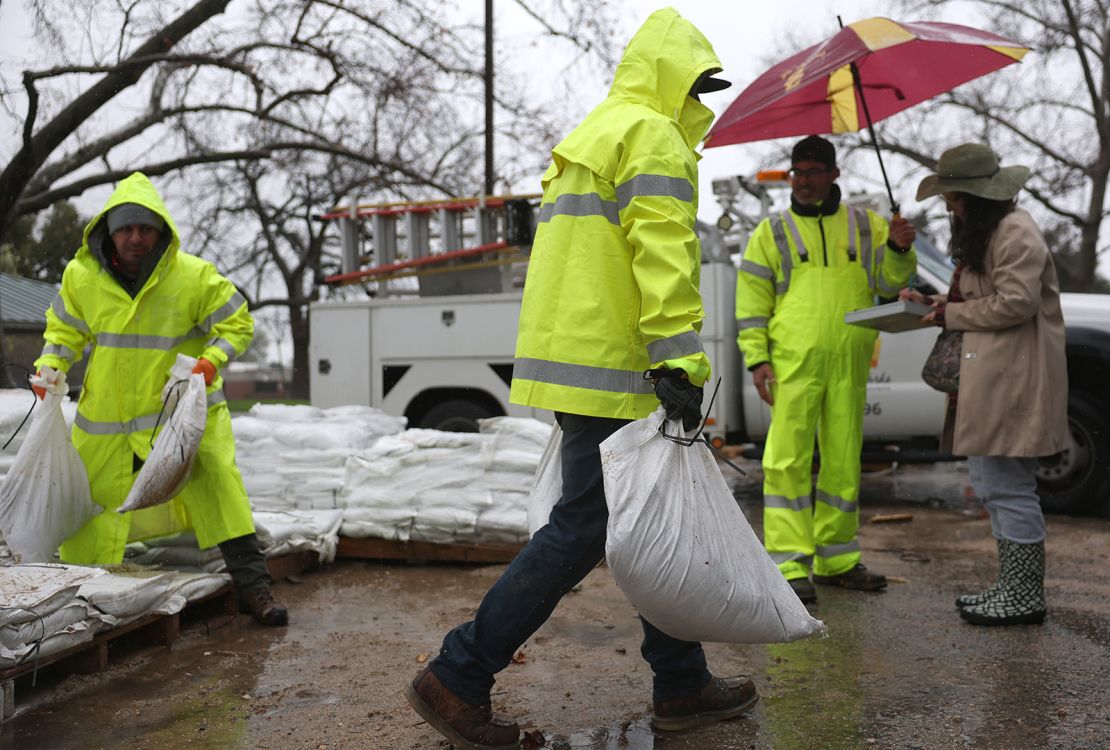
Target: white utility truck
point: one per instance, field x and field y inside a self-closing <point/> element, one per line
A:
<point x="439" y="351"/>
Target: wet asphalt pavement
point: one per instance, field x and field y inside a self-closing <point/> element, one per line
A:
<point x="898" y="670"/>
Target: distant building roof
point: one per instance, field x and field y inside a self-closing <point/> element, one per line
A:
<point x="25" y="300"/>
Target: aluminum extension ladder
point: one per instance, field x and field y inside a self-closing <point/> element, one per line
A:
<point x="453" y="246"/>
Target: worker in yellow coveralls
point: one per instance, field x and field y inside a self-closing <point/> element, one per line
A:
<point x="139" y="301"/>
<point x="802" y="270"/>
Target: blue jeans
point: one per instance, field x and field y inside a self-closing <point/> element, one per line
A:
<point x="1007" y="487"/>
<point x="556" y="559"/>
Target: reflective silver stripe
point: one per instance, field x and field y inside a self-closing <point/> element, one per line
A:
<point x="59" y="308"/>
<point x="781" y="501"/>
<point x="763" y="272"/>
<point x="654" y="186"/>
<point x="753" y="322"/>
<point x="589" y="204"/>
<point x="784" y="557"/>
<point x="832" y="550"/>
<point x="865" y="232"/>
<point x="225" y="346"/>
<point x="864" y="223"/>
<point x="581" y="376"/>
<point x="138" y="424"/>
<point x="790" y="223"/>
<point x="145" y="341"/>
<point x="851" y="234"/>
<point x="681" y="345"/>
<point x="228" y="309"/>
<point x="884" y="288"/>
<point x="59" y="350"/>
<point x="835" y="501"/>
<point x="784" y="250"/>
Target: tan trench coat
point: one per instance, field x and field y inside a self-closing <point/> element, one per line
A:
<point x="1013" y="395"/>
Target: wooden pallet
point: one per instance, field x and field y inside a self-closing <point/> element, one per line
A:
<point x="149" y="631"/>
<point x="414" y="551"/>
<point x="154" y="630"/>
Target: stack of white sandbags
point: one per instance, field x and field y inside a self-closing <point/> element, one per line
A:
<point x="293" y="457"/>
<point x="40" y="609"/>
<point x="445" y="486"/>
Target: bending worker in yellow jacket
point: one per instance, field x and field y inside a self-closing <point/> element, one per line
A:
<point x="801" y="272"/>
<point x="139" y="301"/>
<point x="612" y="290"/>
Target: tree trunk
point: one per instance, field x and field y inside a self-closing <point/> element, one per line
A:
<point x="298" y="327"/>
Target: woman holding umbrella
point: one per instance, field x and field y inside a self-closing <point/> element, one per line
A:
<point x="1011" y="406"/>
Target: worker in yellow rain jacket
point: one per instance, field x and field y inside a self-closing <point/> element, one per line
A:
<point x="801" y="272"/>
<point x="612" y="290"/>
<point x="138" y="301"/>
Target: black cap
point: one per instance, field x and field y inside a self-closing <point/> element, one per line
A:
<point x="707" y="84"/>
<point x="814" y="148"/>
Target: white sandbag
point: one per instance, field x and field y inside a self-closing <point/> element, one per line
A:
<point x="44" y="497"/>
<point x="17" y="636"/>
<point x="193" y="586"/>
<point x="66" y="638"/>
<point x="170" y="462"/>
<point x="681" y="550"/>
<point x="132" y="594"/>
<point x="28" y="592"/>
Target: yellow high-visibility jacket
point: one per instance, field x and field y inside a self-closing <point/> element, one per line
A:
<point x="612" y="285"/>
<point x="181" y="304"/>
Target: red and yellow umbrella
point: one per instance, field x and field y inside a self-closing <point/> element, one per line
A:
<point x="896" y="65"/>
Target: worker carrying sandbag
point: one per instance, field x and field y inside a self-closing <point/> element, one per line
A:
<point x="134" y="294"/>
<point x="44" y="497"/>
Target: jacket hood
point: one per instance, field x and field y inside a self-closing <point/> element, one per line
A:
<point x="136" y="188"/>
<point x="662" y="62"/>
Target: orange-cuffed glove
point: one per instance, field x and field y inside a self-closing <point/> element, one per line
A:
<point x="207" y="369"/>
<point x="38" y="389"/>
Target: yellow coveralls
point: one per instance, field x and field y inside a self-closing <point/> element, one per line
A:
<point x="798" y="277"/>
<point x="183" y="306"/>
<point x="612" y="283"/>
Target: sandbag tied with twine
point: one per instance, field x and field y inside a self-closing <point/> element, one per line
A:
<point x="682" y="551"/>
<point x="45" y="497"/>
<point x="167" y="468"/>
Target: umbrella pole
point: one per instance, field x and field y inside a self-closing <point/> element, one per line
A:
<point x="894" y="207"/>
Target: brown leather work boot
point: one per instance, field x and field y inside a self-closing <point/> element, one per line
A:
<point x="468" y="726"/>
<point x="858" y="578"/>
<point x="723" y="698"/>
<point x="260" y="604"/>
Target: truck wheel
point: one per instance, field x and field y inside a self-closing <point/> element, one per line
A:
<point x="1077" y="479"/>
<point x="455" y="415"/>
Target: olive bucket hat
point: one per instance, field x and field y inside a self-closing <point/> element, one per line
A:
<point x="973" y="168"/>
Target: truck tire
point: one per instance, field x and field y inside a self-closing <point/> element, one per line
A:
<point x="1077" y="480"/>
<point x="455" y="415"/>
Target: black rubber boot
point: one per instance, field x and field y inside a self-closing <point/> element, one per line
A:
<point x="247" y="566"/>
<point x="1021" y="601"/>
<point x="973" y="600"/>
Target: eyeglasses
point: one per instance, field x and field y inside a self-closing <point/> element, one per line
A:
<point x="808" y="174"/>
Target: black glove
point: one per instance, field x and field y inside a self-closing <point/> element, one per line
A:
<point x="681" y="399"/>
